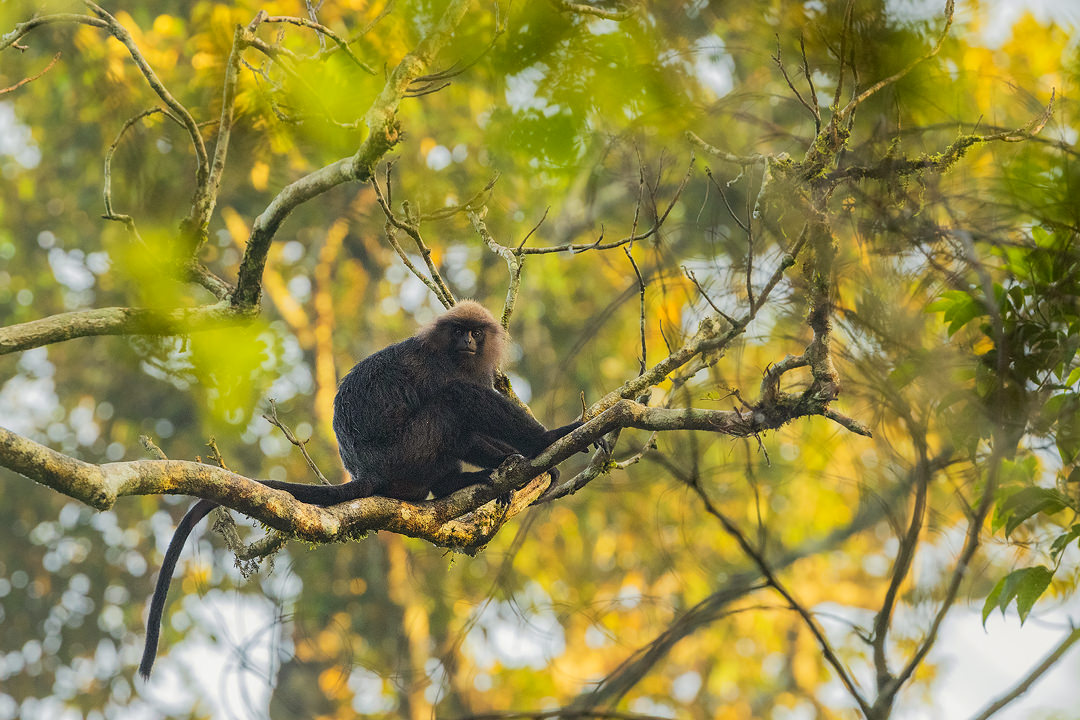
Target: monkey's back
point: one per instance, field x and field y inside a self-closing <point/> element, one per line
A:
<point x="385" y="442"/>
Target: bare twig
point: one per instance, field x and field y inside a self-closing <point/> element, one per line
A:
<point x="121" y="33"/>
<point x="812" y="109"/>
<point x="110" y="152"/>
<point x="810" y="83"/>
<point x="693" y="278"/>
<point x="32" y="78"/>
<point x="1028" y="680"/>
<point x="322" y="30"/>
<point x="433" y="279"/>
<point x="274" y="420"/>
<point x="742" y="160"/>
<point x="870" y="91"/>
<point x="599" y="245"/>
<point x="534" y="229"/>
<point x="770" y="577"/>
<point x="643" y="360"/>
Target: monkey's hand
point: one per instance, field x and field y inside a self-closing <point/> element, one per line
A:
<point x="513" y="460"/>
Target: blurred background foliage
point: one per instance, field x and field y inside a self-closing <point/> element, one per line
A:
<point x="566" y="110"/>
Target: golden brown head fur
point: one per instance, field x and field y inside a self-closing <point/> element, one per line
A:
<point x="470" y="315"/>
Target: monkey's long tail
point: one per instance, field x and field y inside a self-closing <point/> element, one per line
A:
<point x="157" y="604"/>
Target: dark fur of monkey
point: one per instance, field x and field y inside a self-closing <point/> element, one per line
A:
<point x="406" y="418"/>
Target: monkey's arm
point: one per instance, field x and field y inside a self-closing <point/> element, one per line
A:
<point x="483" y="411"/>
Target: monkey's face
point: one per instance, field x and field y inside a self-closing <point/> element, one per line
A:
<point x="467" y="341"/>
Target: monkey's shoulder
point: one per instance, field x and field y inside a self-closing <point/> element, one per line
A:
<point x="405" y="364"/>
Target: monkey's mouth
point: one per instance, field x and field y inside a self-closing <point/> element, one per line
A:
<point x="466" y="351"/>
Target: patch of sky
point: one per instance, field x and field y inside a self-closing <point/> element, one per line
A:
<point x="16" y="141"/>
<point x="522" y="91"/>
<point x="713" y="65"/>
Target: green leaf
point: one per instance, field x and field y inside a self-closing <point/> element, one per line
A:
<point x="948" y="299"/>
<point x="1031" y="500"/>
<point x="1061" y="542"/>
<point x="991" y="601"/>
<point x="1025" y="586"/>
<point x="1030" y="587"/>
<point x="961" y="312"/>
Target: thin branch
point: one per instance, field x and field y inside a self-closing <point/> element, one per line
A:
<point x="693" y="278"/>
<point x="473" y="203"/>
<point x="433" y="279"/>
<point x="737" y="585"/>
<point x="849" y="14"/>
<point x="902" y="565"/>
<point x="202" y="206"/>
<point x="110" y="214"/>
<point x="771" y="578"/>
<point x="643" y="360"/>
<point x="1028" y="680"/>
<point x="24" y="28"/>
<point x="707" y="338"/>
<point x="341" y="43"/>
<point x="742" y="160"/>
<point x="750" y="238"/>
<point x="812" y="109"/>
<point x="598" y="245"/>
<point x="870" y="91"/>
<point x="723" y="196"/>
<point x="274" y="420"/>
<point x="32" y="78"/>
<point x="534" y="229"/>
<point x="121" y="33"/>
<point x="810" y="83"/>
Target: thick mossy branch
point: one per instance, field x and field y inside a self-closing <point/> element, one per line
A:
<point x="440" y="522"/>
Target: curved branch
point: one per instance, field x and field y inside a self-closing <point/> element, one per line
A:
<point x="121" y="33"/>
<point x="598" y="244"/>
<point x="383" y="134"/>
<point x="1025" y="684"/>
<point x="323" y="30"/>
<point x="437" y="521"/>
<point x="31" y="78"/>
<point x="24" y="28"/>
<point x="738" y="584"/>
<point x="870" y="91"/>
<point x="708" y="338"/>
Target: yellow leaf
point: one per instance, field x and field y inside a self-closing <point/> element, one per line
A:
<point x="260" y="174"/>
